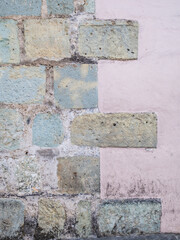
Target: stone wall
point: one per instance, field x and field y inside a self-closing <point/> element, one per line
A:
<point x="51" y="128"/>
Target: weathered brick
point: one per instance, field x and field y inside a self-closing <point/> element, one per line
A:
<point x="11" y="129"/>
<point x="47" y="38"/>
<point x="51" y="219"/>
<point x="115" y="130"/>
<point x="11" y="219"/>
<point x="129" y="217"/>
<point x="22" y="84"/>
<point x="83" y="218"/>
<point x="75" y="86"/>
<point x="20" y="7"/>
<point x="9" y="45"/>
<point x="78" y="175"/>
<point x="61" y="7"/>
<point x="108" y="39"/>
<point x="47" y="130"/>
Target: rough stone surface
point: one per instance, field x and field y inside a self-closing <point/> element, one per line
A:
<point x="78" y="175"/>
<point x="20" y="7"/>
<point x="83" y="218"/>
<point x="115" y="130"/>
<point x="11" y="129"/>
<point x="144" y="237"/>
<point x="61" y="7"/>
<point x="89" y="6"/>
<point x="51" y="219"/>
<point x="11" y="219"/>
<point x="75" y="86"/>
<point x="22" y="85"/>
<point x="85" y="6"/>
<point x="28" y="175"/>
<point x="129" y="217"/>
<point x="47" y="38"/>
<point x="9" y="46"/>
<point x="47" y="130"/>
<point x="108" y="39"/>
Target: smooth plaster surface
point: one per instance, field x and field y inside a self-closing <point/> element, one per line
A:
<point x="152" y="83"/>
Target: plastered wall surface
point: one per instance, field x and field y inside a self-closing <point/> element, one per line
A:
<point x="151" y="84"/>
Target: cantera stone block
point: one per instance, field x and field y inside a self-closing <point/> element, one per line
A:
<point x="20" y="7"/>
<point x="9" y="46"/>
<point x="47" y="38"/>
<point x="11" y="129"/>
<point x="61" y="7"/>
<point x="78" y="175"/>
<point x="108" y="39"/>
<point x="11" y="219"/>
<point x="89" y="6"/>
<point x="47" y="130"/>
<point x="115" y="130"/>
<point x="51" y="218"/>
<point x="75" y="86"/>
<point x="83" y="218"/>
<point x="129" y="217"/>
<point x="22" y="84"/>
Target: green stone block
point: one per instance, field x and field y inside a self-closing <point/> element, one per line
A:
<point x="75" y="86"/>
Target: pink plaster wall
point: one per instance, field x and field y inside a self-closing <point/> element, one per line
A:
<point x="150" y="84"/>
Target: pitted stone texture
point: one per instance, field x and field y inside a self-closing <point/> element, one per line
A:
<point x="11" y="219"/>
<point x="11" y="129"/>
<point x="47" y="130"/>
<point x="129" y="217"/>
<point x="75" y="86"/>
<point x="83" y="218"/>
<point x="144" y="237"/>
<point x="47" y="38"/>
<point x="78" y="175"/>
<point x="61" y="7"/>
<point x="9" y="45"/>
<point x="108" y="39"/>
<point x="87" y="6"/>
<point x="23" y="85"/>
<point x="20" y="7"/>
<point x="28" y="175"/>
<point x="115" y="130"/>
<point x="51" y="219"/>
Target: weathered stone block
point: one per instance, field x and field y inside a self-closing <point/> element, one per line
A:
<point x="51" y="219"/>
<point x="47" y="130"/>
<point x="83" y="218"/>
<point x="11" y="219"/>
<point x="28" y="175"/>
<point x="129" y="217"/>
<point x="9" y="45"/>
<point x="89" y="6"/>
<point x="22" y="85"/>
<point x="47" y="38"/>
<point x="75" y="86"/>
<point x="11" y="129"/>
<point x="61" y="7"/>
<point x="108" y="39"/>
<point x="115" y="130"/>
<point x="78" y="175"/>
<point x="20" y="7"/>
